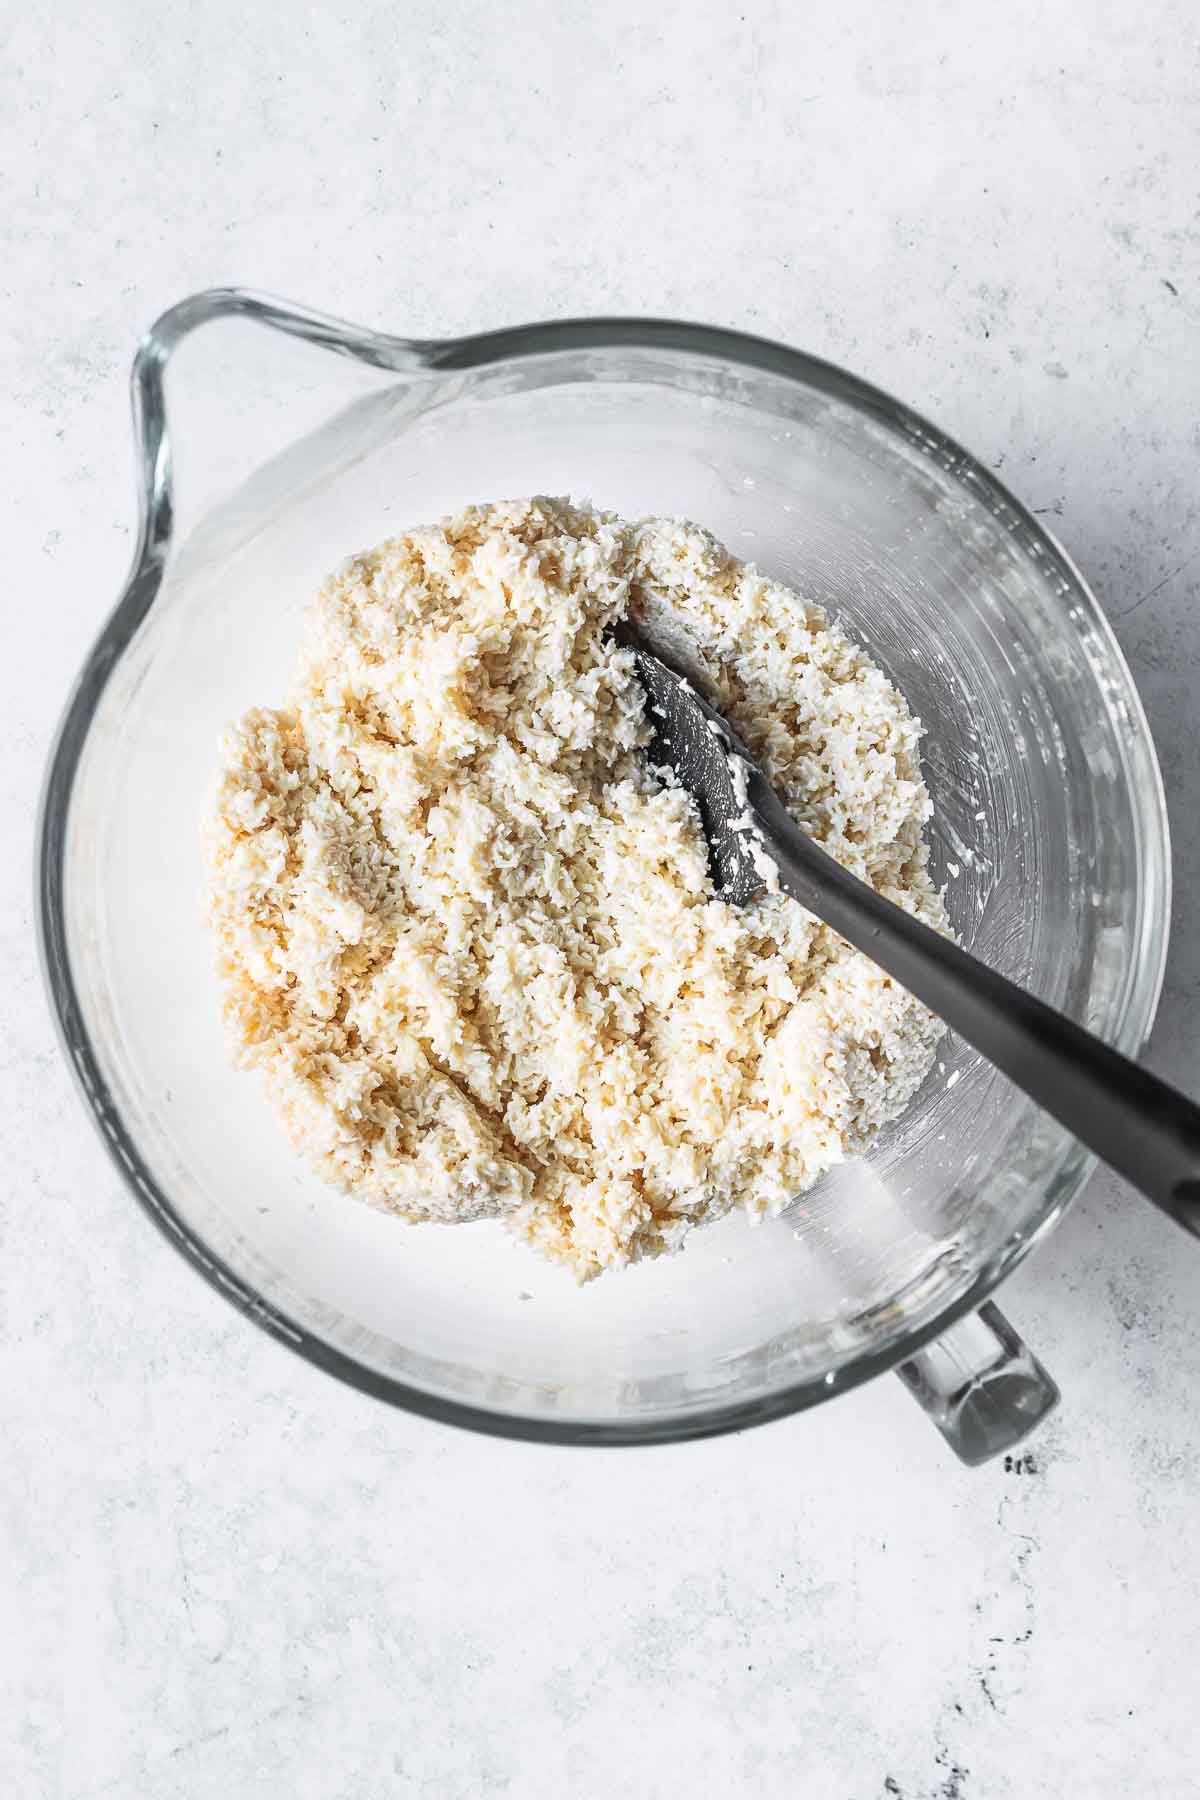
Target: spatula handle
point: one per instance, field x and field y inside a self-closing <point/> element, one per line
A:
<point x="1144" y="1129"/>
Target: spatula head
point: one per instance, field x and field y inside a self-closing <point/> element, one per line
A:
<point x="708" y="759"/>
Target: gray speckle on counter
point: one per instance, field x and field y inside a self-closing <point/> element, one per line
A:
<point x="224" y="1575"/>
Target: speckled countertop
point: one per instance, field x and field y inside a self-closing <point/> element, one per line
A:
<point x="222" y="1575"/>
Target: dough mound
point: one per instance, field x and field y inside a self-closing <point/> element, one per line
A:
<point x="471" y="936"/>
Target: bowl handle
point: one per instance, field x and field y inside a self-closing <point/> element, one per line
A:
<point x="981" y="1385"/>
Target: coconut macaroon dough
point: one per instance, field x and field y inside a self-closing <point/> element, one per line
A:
<point x="470" y="935"/>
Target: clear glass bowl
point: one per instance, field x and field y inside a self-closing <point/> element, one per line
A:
<point x="1050" y="831"/>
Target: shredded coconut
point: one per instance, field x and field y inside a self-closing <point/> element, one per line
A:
<point x="470" y="935"/>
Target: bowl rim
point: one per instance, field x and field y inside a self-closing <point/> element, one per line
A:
<point x="1140" y="769"/>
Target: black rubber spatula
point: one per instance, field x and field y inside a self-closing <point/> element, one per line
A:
<point x="1141" y="1127"/>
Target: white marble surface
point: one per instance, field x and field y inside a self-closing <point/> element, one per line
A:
<point x="222" y="1575"/>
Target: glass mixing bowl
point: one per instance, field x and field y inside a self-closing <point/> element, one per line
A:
<point x="1049" y="830"/>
